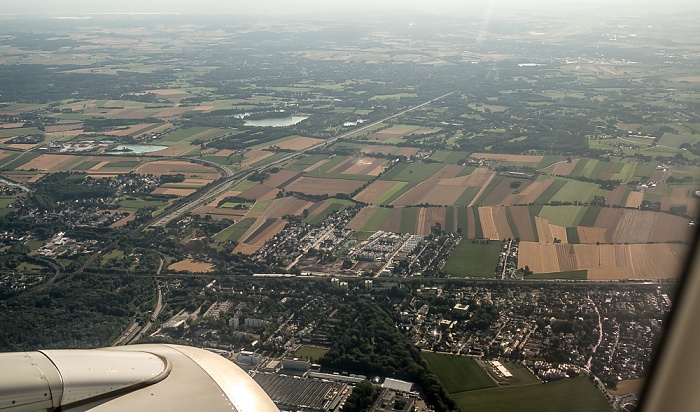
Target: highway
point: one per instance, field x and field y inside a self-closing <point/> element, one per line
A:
<point x="233" y="179"/>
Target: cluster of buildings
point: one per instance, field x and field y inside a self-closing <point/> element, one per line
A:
<point x="60" y="245"/>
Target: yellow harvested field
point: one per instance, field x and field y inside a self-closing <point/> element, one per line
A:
<point x="558" y="233"/>
<point x="295" y="143"/>
<point x="260" y="232"/>
<point x="509" y="157"/>
<point x="124" y="221"/>
<point x="221" y="197"/>
<point x="544" y="233"/>
<point x="605" y="262"/>
<point x="178" y="166"/>
<point x="529" y="194"/>
<point x="50" y="163"/>
<point x="191" y="266"/>
<point x="591" y="234"/>
<point x="635" y="226"/>
<point x="564" y="168"/>
<point x="173" y="191"/>
<point x="11" y="125"/>
<point x="374" y="191"/>
<point x="286" y="206"/>
<point x="253" y="156"/>
<point x="634" y="199"/>
<point x="36" y="178"/>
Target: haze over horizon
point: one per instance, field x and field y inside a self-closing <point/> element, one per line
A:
<point x="318" y="7"/>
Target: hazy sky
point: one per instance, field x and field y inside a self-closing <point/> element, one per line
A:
<point x="308" y="6"/>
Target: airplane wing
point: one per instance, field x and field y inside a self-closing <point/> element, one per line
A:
<point x="127" y="378"/>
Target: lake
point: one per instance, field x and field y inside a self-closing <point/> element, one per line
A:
<point x="276" y="121"/>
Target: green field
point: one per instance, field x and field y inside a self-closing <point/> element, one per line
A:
<point x="378" y="217"/>
<point x="139" y="203"/>
<point x="574" y="274"/>
<point x="409" y="219"/>
<point x="311" y="353"/>
<point x="591" y="215"/>
<point x="389" y="193"/>
<point x="457" y="373"/>
<point x="574" y="190"/>
<point x="571" y="395"/>
<point x="235" y="231"/>
<point x="473" y="259"/>
<point x="412" y="172"/>
<point x="564" y="216"/>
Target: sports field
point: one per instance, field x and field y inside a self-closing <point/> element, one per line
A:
<point x="458" y="373"/>
<point x="571" y="395"/>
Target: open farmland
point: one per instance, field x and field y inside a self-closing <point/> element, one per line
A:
<point x="575" y="395"/>
<point x="295" y="143"/>
<point x="190" y="266"/>
<point x="471" y="259"/>
<point x="604" y="261"/>
<point x="323" y="186"/>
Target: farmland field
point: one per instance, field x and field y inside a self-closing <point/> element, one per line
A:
<point x="473" y="259"/>
<point x="457" y="373"/>
<point x="575" y="395"/>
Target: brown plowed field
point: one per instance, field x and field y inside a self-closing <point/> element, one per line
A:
<point x="690" y="204"/>
<point x="657" y="261"/>
<point x="260" y="232"/>
<point x="178" y="166"/>
<point x="260" y="192"/>
<point x="393" y="222"/>
<point x="221" y="197"/>
<point x="529" y="194"/>
<point x="123" y="221"/>
<point x="488" y="227"/>
<point x="616" y="196"/>
<point x="605" y="262"/>
<point x="437" y="215"/>
<point x="634" y="199"/>
<point x="191" y="266"/>
<point x="636" y="226"/>
<point x="374" y="191"/>
<point x="670" y="228"/>
<point x="565" y="168"/>
<point x="288" y="205"/>
<point x="319" y="207"/>
<point x="253" y="156"/>
<point x="471" y="223"/>
<point x="51" y="163"/>
<point x="544" y="234"/>
<point x="320" y="186"/>
<point x="296" y="143"/>
<point x="422" y="221"/>
<point x="499" y="194"/>
<point x="447" y="172"/>
<point x="566" y="257"/>
<point x="538" y="257"/>
<point x="509" y="157"/>
<point x="480" y="177"/>
<point x="280" y="178"/>
<point x="660" y="176"/>
<point x="501" y="221"/>
<point x="361" y="218"/>
<point x="608" y="218"/>
<point x="559" y="233"/>
<point x="368" y="166"/>
<point x="523" y="222"/>
<point x="591" y="234"/>
<point x="441" y="192"/>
